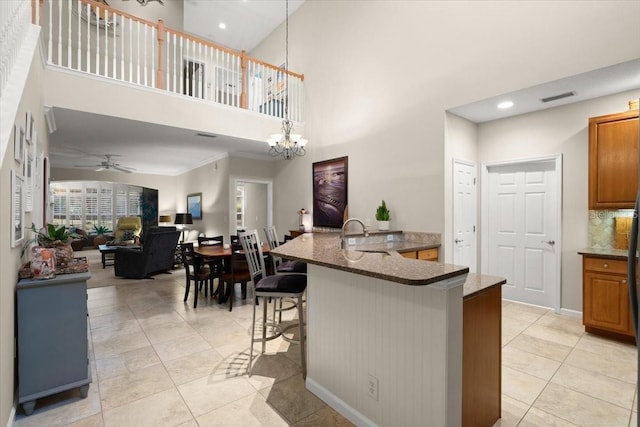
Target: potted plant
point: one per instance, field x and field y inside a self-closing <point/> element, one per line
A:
<point x="100" y="238"/>
<point x="58" y="238"/>
<point x="383" y="216"/>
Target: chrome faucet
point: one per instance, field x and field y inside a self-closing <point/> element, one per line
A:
<point x="344" y="226"/>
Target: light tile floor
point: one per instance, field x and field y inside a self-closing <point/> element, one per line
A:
<point x="156" y="361"/>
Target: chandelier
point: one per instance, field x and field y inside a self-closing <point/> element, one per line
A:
<point x="286" y="144"/>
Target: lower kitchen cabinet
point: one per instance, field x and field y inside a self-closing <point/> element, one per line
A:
<point x="605" y="298"/>
<point x="424" y="254"/>
<point x="53" y="354"/>
<point x="482" y="357"/>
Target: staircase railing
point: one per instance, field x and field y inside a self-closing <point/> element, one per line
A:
<point x="90" y="37"/>
<point x="15" y="16"/>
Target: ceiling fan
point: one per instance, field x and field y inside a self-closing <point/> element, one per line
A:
<point x="108" y="164"/>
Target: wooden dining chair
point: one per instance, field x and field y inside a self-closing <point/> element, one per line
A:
<point x="196" y="271"/>
<point x="237" y="271"/>
<point x="216" y="266"/>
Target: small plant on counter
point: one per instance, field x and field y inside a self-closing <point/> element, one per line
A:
<point x="382" y="213"/>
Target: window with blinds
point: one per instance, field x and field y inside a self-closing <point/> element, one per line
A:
<point x="83" y="204"/>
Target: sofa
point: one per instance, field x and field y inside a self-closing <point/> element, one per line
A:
<point x="156" y="255"/>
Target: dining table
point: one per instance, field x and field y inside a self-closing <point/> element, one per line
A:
<point x="220" y="252"/>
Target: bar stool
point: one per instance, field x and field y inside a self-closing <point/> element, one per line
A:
<point x="281" y="266"/>
<point x="276" y="286"/>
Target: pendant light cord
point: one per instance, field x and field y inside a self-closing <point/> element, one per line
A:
<point x="286" y="60"/>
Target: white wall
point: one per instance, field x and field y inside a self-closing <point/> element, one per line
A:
<point x="562" y="130"/>
<point x="255" y="207"/>
<point x="461" y="138"/>
<point x="10" y="258"/>
<point x="379" y="75"/>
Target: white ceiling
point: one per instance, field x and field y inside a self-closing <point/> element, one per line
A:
<point x="604" y="81"/>
<point x="248" y="21"/>
<point x="83" y="138"/>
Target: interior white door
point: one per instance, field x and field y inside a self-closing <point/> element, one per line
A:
<point x="522" y="231"/>
<point x="464" y="214"/>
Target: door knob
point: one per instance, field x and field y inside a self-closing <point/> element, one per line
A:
<point x="549" y="242"/>
<point x="458" y="240"/>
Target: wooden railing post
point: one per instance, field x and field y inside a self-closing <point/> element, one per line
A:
<point x="160" y="70"/>
<point x="243" y="66"/>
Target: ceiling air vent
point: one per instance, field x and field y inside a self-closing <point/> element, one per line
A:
<point x="206" y="135"/>
<point x="559" y="96"/>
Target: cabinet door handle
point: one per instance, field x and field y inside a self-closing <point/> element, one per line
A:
<point x="549" y="242"/>
<point x="605" y="265"/>
<point x="458" y="240"/>
<point x="624" y="281"/>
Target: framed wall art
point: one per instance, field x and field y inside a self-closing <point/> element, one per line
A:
<point x="18" y="143"/>
<point x="194" y="205"/>
<point x="17" y="211"/>
<point x="330" y="183"/>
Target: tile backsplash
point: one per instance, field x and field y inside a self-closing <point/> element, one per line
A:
<point x="602" y="227"/>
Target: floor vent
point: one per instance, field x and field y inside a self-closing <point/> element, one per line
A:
<point x="559" y="96"/>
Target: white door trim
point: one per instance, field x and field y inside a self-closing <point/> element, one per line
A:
<point x="233" y="183"/>
<point x="484" y="205"/>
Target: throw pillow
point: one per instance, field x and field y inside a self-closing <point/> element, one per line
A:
<point x="128" y="235"/>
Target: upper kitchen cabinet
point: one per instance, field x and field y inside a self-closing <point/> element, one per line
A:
<point x="613" y="160"/>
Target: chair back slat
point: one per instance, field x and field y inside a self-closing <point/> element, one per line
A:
<point x="252" y="248"/>
<point x="272" y="237"/>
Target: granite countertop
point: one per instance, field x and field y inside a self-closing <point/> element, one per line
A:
<point x="605" y="253"/>
<point x="324" y="250"/>
<point x="476" y="283"/>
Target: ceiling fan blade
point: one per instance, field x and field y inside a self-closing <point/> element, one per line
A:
<point x="100" y="168"/>
<point x="86" y="166"/>
<point x="122" y="169"/>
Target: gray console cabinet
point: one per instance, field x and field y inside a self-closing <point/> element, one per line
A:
<point x="52" y="337"/>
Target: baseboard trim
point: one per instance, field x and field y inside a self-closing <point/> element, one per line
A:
<point x="338" y="404"/>
<point x="572" y="313"/>
<point x="12" y="414"/>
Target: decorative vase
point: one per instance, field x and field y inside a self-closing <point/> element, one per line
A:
<point x="383" y="225"/>
<point x="43" y="262"/>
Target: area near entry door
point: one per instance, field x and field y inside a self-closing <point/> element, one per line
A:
<point x="523" y="226"/>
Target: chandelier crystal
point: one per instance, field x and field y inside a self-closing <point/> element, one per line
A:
<point x="287" y="144"/>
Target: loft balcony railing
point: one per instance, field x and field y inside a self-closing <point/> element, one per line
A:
<point x="90" y="37"/>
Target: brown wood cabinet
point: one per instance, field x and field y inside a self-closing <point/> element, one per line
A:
<point x="605" y="297"/>
<point x="424" y="254"/>
<point x="613" y="160"/>
<point x="482" y="357"/>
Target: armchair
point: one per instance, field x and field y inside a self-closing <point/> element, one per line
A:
<point x="157" y="254"/>
<point x="127" y="228"/>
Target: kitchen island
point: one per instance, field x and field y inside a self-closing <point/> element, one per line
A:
<point x="384" y="332"/>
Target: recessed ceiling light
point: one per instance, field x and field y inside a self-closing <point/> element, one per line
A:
<point x="505" y="104"/>
<point x="222" y="25"/>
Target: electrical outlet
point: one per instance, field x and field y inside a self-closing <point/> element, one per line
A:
<point x="351" y="241"/>
<point x="389" y="237"/>
<point x="372" y="387"/>
<point x="367" y="222"/>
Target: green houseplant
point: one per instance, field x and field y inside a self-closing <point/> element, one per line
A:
<point x="51" y="235"/>
<point x="383" y="215"/>
<point x="100" y="238"/>
<point x="56" y="237"/>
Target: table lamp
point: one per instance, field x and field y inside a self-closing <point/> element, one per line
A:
<point x="181" y="220"/>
